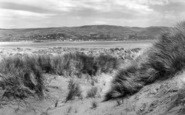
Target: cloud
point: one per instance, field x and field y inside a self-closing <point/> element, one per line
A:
<point x="44" y="6"/>
<point x="136" y="5"/>
<point x="21" y="7"/>
<point x="45" y="13"/>
<point x="173" y="7"/>
<point x="21" y="19"/>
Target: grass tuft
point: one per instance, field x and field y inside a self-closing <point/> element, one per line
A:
<point x="160" y="62"/>
<point x="21" y="77"/>
<point x="92" y="92"/>
<point x="94" y="105"/>
<point x="74" y="90"/>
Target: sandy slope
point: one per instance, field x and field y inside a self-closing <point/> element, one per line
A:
<point x="154" y="99"/>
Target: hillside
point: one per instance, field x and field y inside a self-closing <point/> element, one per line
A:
<point x="85" y="33"/>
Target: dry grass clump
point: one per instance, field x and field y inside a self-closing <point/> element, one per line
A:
<point x="44" y="61"/>
<point x="76" y="64"/>
<point x="94" y="105"/>
<point x="106" y="63"/>
<point x="160" y="62"/>
<point x="74" y="90"/>
<point x="88" y="63"/>
<point x="79" y="63"/>
<point x="21" y="77"/>
<point x="92" y="92"/>
<point x="57" y="63"/>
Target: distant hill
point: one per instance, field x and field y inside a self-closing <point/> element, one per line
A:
<point x="85" y="33"/>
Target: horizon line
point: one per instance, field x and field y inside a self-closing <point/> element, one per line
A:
<point x="80" y="26"/>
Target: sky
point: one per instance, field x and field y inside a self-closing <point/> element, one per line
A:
<point x="59" y="13"/>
